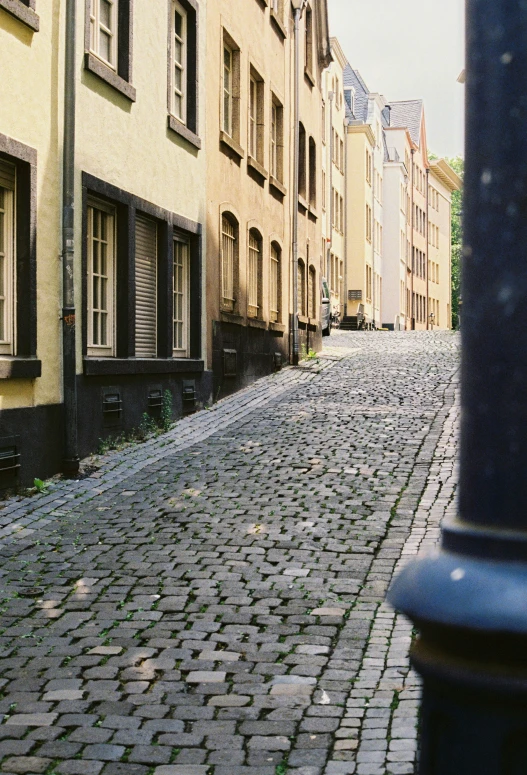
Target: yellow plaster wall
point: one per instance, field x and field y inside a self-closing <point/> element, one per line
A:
<point x="30" y="112"/>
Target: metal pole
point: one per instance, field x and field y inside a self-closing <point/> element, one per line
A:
<point x="469" y="600"/>
<point x="296" y="165"/>
<point x="373" y="237"/>
<point x="69" y="372"/>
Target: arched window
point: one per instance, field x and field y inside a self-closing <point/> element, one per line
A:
<point x="229" y="261"/>
<point x="312" y="293"/>
<point x="254" y="276"/>
<point x="301" y="287"/>
<point x="275" y="282"/>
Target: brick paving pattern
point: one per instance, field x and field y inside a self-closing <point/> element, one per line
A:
<point x="212" y="602"/>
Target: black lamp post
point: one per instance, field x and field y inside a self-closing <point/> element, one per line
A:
<point x="469" y="601"/>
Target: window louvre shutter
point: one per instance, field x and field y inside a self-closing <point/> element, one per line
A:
<point x="7" y="175"/>
<point x="145" y="288"/>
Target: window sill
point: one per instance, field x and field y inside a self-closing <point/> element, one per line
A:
<point x="312" y="325"/>
<point x="109" y="76"/>
<point x="232" y="317"/>
<point x="279" y="187"/>
<point x="22" y="13"/>
<point x="95" y="367"/>
<point x="303" y="321"/>
<point x="183" y="131"/>
<point x="302" y="203"/>
<point x="313" y="213"/>
<point x="279" y="25"/>
<point x="309" y="77"/>
<point x="256" y="323"/>
<point x="256" y="167"/>
<point x="20" y="368"/>
<point x="227" y="141"/>
<point x="278" y="328"/>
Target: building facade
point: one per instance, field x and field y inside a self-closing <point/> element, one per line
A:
<point x="365" y="146"/>
<point x="334" y="177"/>
<point x="138" y="237"/>
<point x="250" y="136"/>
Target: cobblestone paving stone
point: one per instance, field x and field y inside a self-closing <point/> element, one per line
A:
<point x="212" y="602"/>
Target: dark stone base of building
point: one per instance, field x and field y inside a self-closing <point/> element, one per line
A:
<point x="114" y="405"/>
<point x="241" y="354"/>
<point x="30" y="444"/>
<point x="31" y="438"/>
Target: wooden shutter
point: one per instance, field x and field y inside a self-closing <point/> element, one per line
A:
<point x="7" y="175"/>
<point x="145" y="288"/>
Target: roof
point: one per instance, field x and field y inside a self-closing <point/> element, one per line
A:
<point x="442" y="170"/>
<point x="353" y="81"/>
<point x="408" y="114"/>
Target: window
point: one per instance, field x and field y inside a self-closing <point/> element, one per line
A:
<point x="24" y="11"/>
<point x="229" y="259"/>
<point x="368" y="223"/>
<point x="368" y="167"/>
<point x="309" y="41"/>
<point x="368" y="283"/>
<point x="312" y="293"/>
<point x="230" y="120"/>
<point x="103" y="31"/>
<point x="342" y="155"/>
<point x="254" y="276"/>
<point x="323" y="122"/>
<point x="302" y="162"/>
<point x="227" y="90"/>
<point x="7" y="257"/>
<point x="301" y="287"/>
<point x="277" y="140"/>
<point x="256" y="113"/>
<point x="324" y="194"/>
<point x="181" y="288"/>
<point x="179" y="62"/>
<point x="342" y="214"/>
<point x="145" y="287"/>
<point x="101" y="279"/>
<point x="312" y="173"/>
<point x="107" y="43"/>
<point x="275" y="284"/>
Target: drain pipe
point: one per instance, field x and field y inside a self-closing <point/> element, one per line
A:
<point x="70" y="462"/>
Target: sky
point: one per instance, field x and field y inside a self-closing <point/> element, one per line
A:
<point x="409" y="49"/>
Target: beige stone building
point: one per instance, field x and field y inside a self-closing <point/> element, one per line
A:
<point x="334" y="177"/>
<point x="443" y="181"/>
<point x="250" y="140"/>
<point x="138" y="236"/>
<point x="366" y="114"/>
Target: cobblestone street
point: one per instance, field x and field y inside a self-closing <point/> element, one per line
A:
<point x="211" y="602"/>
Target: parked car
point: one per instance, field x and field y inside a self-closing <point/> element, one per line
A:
<point x="325" y="309"/>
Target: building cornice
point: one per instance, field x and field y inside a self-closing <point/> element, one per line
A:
<point x="444" y="172"/>
<point x="357" y="129"/>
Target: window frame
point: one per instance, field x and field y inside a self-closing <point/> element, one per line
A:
<point x="254" y="274"/>
<point x="181" y="352"/>
<point x="229" y="303"/>
<point x="182" y="39"/>
<point x="8" y="212"/>
<point x="23" y="362"/>
<point x="118" y="75"/>
<point x="100" y="350"/>
<point x="276" y="140"/>
<point x="187" y="125"/>
<point x="275" y="283"/>
<point x="112" y="32"/>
